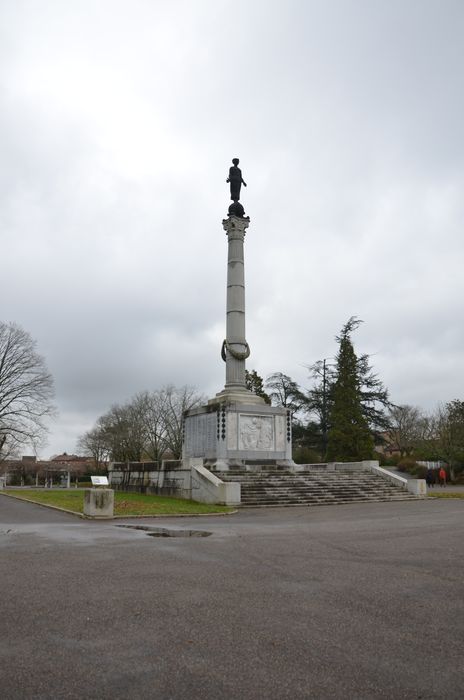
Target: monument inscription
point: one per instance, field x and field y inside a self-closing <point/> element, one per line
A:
<point x="200" y="435"/>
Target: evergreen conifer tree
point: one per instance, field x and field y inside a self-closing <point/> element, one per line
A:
<point x="255" y="384"/>
<point x="349" y="437"/>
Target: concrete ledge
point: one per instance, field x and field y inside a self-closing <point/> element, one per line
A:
<point x="335" y="466"/>
<point x="417" y="487"/>
<point x="207" y="488"/>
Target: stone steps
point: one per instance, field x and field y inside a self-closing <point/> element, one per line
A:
<point x="284" y="488"/>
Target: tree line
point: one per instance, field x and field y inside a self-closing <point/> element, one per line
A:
<point x="347" y="413"/>
<point x="341" y="417"/>
<point x="439" y="435"/>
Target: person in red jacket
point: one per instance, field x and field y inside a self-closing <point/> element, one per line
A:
<point x="442" y="476"/>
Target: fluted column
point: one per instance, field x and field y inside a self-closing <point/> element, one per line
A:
<point x="235" y="349"/>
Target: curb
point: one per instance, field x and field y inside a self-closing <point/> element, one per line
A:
<point x="43" y="505"/>
<point x="180" y="515"/>
<point x="116" y="517"/>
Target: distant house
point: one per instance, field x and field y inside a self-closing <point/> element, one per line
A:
<point x="74" y="462"/>
<point x="386" y="446"/>
<point x="30" y="470"/>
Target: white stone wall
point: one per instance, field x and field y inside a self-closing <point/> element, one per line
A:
<point x="191" y="481"/>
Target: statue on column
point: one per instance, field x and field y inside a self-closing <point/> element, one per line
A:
<point x="236" y="180"/>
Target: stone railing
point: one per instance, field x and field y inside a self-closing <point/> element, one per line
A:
<point x="207" y="488"/>
<point x="416" y="486"/>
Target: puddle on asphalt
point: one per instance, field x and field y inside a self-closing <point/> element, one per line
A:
<point x="165" y="532"/>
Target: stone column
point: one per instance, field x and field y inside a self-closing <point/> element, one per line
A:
<point x="235" y="349"/>
<point x="237" y="428"/>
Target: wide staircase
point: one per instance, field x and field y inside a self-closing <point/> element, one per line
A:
<point x="313" y="487"/>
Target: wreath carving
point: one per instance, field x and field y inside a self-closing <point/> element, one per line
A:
<point x="237" y="355"/>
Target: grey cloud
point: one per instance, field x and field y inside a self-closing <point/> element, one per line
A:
<point x="117" y="127"/>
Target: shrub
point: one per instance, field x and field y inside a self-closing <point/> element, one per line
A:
<point x="381" y="458"/>
<point x="393" y="460"/>
<point x="409" y="465"/>
<point x="305" y="455"/>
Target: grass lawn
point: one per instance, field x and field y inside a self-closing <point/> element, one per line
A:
<point x="445" y="494"/>
<point x="124" y="503"/>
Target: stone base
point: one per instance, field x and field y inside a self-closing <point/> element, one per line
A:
<point x="253" y="467"/>
<point x="238" y="395"/>
<point x="99" y="503"/>
<point x="233" y="434"/>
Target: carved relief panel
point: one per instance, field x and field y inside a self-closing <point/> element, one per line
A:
<point x="256" y="433"/>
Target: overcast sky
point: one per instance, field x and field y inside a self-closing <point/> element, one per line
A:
<point x="118" y="122"/>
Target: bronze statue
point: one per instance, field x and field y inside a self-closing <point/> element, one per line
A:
<point x="236" y="180"/>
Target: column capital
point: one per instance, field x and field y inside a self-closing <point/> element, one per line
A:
<point x="235" y="226"/>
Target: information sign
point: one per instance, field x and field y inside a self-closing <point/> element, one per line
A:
<point x="99" y="480"/>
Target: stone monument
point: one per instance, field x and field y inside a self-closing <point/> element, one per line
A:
<point x="237" y="429"/>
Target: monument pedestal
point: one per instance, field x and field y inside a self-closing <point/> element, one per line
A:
<point x="244" y="435"/>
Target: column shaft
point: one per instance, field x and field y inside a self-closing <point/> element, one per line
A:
<point x="235" y="316"/>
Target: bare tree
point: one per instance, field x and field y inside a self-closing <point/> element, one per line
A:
<point x="153" y="408"/>
<point x="93" y="443"/>
<point x="26" y="391"/>
<point x="409" y="427"/>
<point x="161" y="414"/>
<point x="178" y="401"/>
<point x="148" y="426"/>
<point x="122" y="432"/>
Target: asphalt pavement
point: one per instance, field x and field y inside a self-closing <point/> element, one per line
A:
<point x="356" y="601"/>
